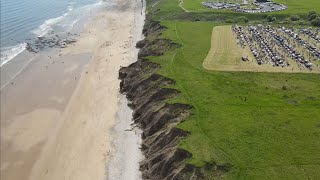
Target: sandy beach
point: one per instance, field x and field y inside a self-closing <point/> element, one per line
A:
<point x="58" y="115"/>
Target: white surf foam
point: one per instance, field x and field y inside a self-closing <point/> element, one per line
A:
<point x="74" y="22"/>
<point x="9" y="53"/>
<point x="71" y="6"/>
<point x="47" y="25"/>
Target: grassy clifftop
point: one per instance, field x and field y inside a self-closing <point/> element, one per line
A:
<point x="244" y="120"/>
<point x="255" y="125"/>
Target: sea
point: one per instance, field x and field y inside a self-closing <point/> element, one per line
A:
<point x="24" y="22"/>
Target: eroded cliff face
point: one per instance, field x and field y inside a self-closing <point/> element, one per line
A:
<point x="146" y="90"/>
<point x="157" y="119"/>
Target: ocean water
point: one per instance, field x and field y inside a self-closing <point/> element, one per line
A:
<point x="23" y="21"/>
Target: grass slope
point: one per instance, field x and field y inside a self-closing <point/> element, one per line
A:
<point x="264" y="125"/>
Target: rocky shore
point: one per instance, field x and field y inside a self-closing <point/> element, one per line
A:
<point x="49" y="41"/>
<point x="146" y="91"/>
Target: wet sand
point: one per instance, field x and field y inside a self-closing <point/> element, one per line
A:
<point x="57" y="115"/>
<point x="31" y="107"/>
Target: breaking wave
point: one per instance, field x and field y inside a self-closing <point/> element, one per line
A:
<point x="9" y="53"/>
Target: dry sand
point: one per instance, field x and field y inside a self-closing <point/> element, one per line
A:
<point x="126" y="155"/>
<point x="59" y="125"/>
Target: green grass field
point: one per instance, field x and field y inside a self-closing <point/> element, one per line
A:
<point x="294" y="6"/>
<point x="170" y="10"/>
<point x="300" y="6"/>
<point x="263" y="125"/>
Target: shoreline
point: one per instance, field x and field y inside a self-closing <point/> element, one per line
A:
<point x="68" y="20"/>
<point x="72" y="141"/>
<point x="125" y="154"/>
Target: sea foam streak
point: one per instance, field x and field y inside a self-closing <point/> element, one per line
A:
<point x="47" y="25"/>
<point x="9" y="53"/>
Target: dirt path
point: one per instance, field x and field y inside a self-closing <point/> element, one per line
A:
<point x="180" y="4"/>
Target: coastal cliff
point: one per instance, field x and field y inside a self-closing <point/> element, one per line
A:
<point x="145" y="89"/>
<point x="147" y="92"/>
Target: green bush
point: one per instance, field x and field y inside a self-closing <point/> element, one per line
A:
<point x="312" y="17"/>
<point x="243" y="18"/>
<point x="286" y="21"/>
<point x="295" y="18"/>
<point x="271" y="18"/>
<point x="316" y="22"/>
<point x="311" y="13"/>
<point x="302" y="22"/>
<point x="230" y="21"/>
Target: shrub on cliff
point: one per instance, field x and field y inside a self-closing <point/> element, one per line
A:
<point x="312" y="15"/>
<point x="243" y="19"/>
<point x="295" y="18"/>
<point x="316" y="22"/>
<point x="271" y="18"/>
